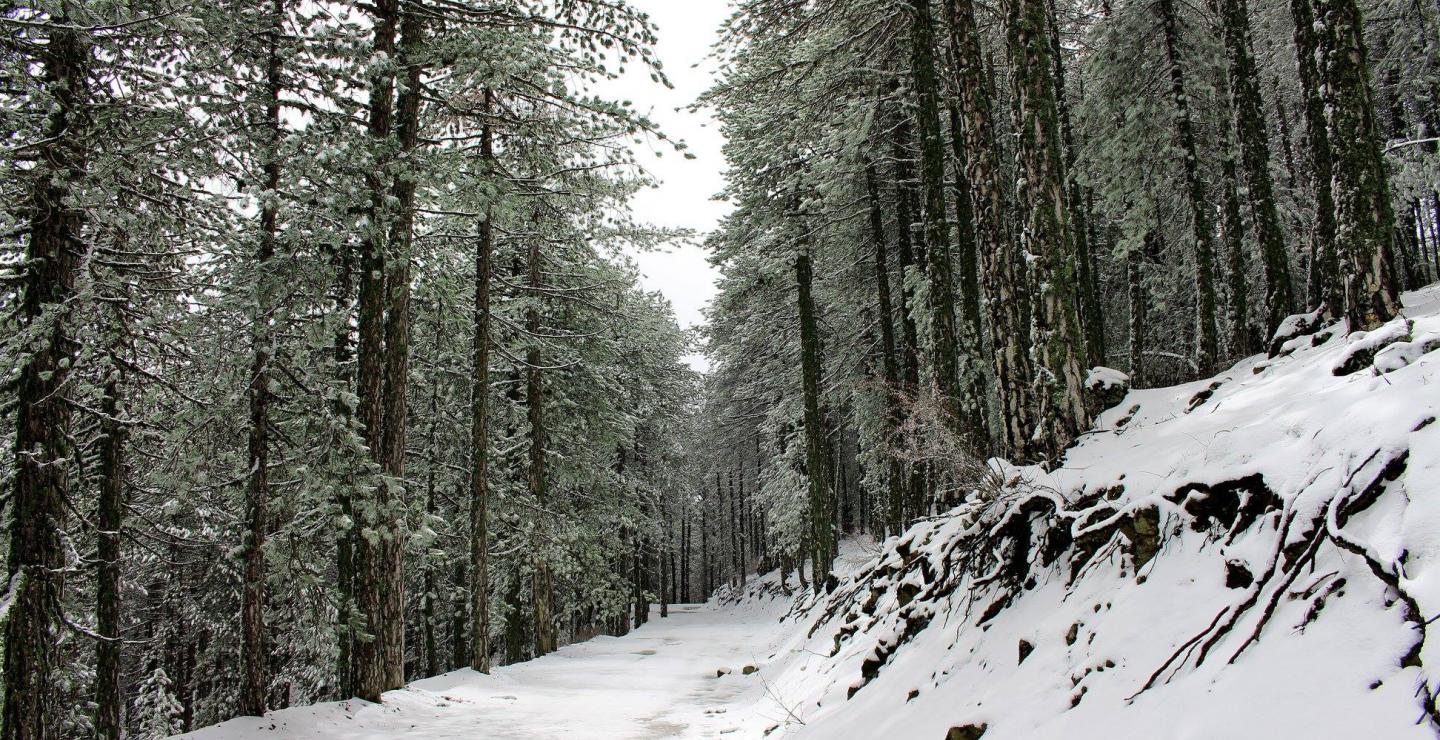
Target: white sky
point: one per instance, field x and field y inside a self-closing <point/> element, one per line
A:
<point x="687" y="29"/>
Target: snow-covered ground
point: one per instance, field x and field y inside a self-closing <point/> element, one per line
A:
<point x="660" y="681"/>
<point x="1248" y="556"/>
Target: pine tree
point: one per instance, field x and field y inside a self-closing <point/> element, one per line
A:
<point x="54" y="251"/>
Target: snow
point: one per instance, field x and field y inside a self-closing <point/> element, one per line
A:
<point x="659" y="681"/>
<point x="1105" y="378"/>
<point x="923" y="633"/>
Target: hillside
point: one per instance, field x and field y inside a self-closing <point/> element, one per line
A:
<point x="1257" y="549"/>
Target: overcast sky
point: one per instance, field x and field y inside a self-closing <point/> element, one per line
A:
<point x="687" y="29"/>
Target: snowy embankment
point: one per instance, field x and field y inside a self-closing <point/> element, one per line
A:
<point x="1251" y="556"/>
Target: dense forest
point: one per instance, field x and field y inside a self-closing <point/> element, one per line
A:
<point x="325" y="367"/>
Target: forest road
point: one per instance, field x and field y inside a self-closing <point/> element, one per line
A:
<point x="683" y="676"/>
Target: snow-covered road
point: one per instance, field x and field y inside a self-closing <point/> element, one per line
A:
<point x="657" y="682"/>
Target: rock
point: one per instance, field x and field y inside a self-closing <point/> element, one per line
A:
<point x="1237" y="575"/>
<point x="967" y="732"/>
<point x="994" y="609"/>
<point x="913" y="693"/>
<point x="1129" y="415"/>
<point x="1073" y="634"/>
<point x="721" y="672"/>
<point x="1293" y="327"/>
<point x="1143" y="530"/>
<point x="747" y="670"/>
<point x="1404" y="354"/>
<point x="1104" y="388"/>
<point x="1364" y="346"/>
<point x="1200" y="398"/>
<point x="1025" y="649"/>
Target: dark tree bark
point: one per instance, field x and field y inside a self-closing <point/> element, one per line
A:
<point x="1092" y="319"/>
<point x="41" y="485"/>
<point x="741" y="561"/>
<point x="397" y="350"/>
<point x="367" y="654"/>
<point x="1135" y="285"/>
<point x="966" y="250"/>
<point x="345" y="544"/>
<point x="480" y="424"/>
<point x="816" y="466"/>
<point x="1324" y="279"/>
<point x="1242" y="337"/>
<point x="542" y="581"/>
<point x="1001" y="267"/>
<point x="705" y="581"/>
<point x="1364" y="218"/>
<point x="905" y="206"/>
<point x="460" y="624"/>
<point x="1059" y="400"/>
<point x="254" y="653"/>
<point x="963" y="410"/>
<point x="905" y="247"/>
<point x="1207" y="345"/>
<point x="109" y="520"/>
<point x="895" y="478"/>
<point x="1250" y="130"/>
<point x="431" y="582"/>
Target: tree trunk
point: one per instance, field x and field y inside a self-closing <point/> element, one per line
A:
<point x="962" y="409"/>
<point x="1059" y="392"/>
<point x="905" y="244"/>
<point x="480" y="424"/>
<point x="739" y="503"/>
<point x="1242" y="335"/>
<point x="1002" y="269"/>
<point x="254" y="653"/>
<point x="460" y="624"/>
<point x="42" y="419"/>
<point x="1092" y="319"/>
<point x="1364" y="219"/>
<point x="1250" y="128"/>
<point x="1207" y="346"/>
<point x="397" y="355"/>
<point x="1135" y="282"/>
<point x="543" y="582"/>
<point x="346" y="536"/>
<point x="367" y="654"/>
<point x="816" y="468"/>
<point x="109" y="519"/>
<point x="1324" y="275"/>
<point x="895" y="483"/>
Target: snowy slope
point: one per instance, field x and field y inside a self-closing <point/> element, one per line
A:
<point x="1255" y="475"/>
<point x="1258" y="549"/>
